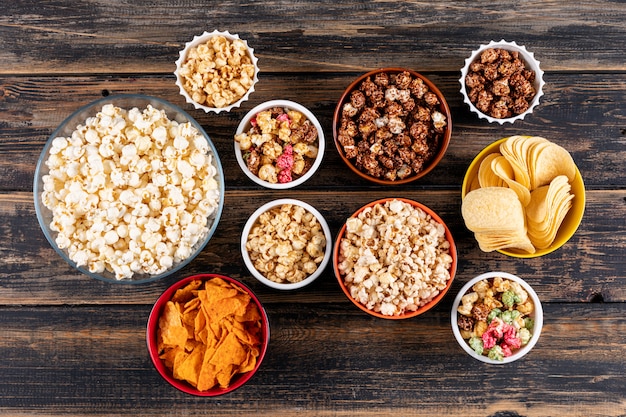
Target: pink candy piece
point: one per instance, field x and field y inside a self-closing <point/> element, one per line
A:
<point x="506" y="350"/>
<point x="498" y="331"/>
<point x="284" y="176"/>
<point x="488" y="340"/>
<point x="511" y="339"/>
<point x="285" y="161"/>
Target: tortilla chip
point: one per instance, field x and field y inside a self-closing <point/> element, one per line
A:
<point x="217" y="335"/>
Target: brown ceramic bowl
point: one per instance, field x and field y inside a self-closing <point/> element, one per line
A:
<point x="440" y="145"/>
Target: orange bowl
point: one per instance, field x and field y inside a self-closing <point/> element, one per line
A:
<point x="441" y="145"/>
<point x="424" y="305"/>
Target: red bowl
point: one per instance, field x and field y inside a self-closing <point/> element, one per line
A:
<point x="151" y="339"/>
<point x="435" y="159"/>
<point x="428" y="305"/>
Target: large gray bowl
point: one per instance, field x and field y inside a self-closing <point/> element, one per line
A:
<point x="44" y="215"/>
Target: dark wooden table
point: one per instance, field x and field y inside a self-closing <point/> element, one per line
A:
<point x="71" y="345"/>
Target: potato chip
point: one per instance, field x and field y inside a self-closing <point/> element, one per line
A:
<point x="209" y="332"/>
<point x="496" y="216"/>
<point x="549" y="206"/>
<point x="538" y="175"/>
<point x="547" y="161"/>
<point x="486" y="176"/>
<point x="503" y="169"/>
<point x="492" y="209"/>
<point x="519" y="240"/>
<point x="513" y="150"/>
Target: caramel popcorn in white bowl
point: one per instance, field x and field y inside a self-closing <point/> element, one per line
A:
<point x="286" y="244"/>
<point x="216" y="71"/>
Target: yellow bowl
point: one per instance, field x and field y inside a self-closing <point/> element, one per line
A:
<point x="568" y="226"/>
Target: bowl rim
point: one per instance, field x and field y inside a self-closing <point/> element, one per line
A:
<point x="90" y="109"/>
<point x="575" y="214"/>
<point x="244" y="125"/>
<point x="538" y="318"/>
<point x="151" y="332"/>
<point x="200" y="39"/>
<point x="252" y="220"/>
<point x="430" y="304"/>
<point x="530" y="62"/>
<point x="444" y="107"/>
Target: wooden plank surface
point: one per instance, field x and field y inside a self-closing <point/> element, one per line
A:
<point x="73" y="346"/>
<point x="115" y="36"/>
<point x="591" y="265"/>
<point x="584" y="113"/>
<point x="413" y="366"/>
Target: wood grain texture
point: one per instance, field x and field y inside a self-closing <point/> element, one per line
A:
<point x="74" y="346"/>
<point x="589" y="266"/>
<point x="51" y="37"/>
<point x="413" y="366"/>
<point x="584" y="113"/>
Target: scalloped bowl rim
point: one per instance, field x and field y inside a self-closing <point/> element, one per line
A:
<point x="200" y="39"/>
<point x="529" y="60"/>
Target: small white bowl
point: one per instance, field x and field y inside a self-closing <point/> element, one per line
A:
<point x="537" y="316"/>
<point x="245" y="126"/>
<point x="259" y="276"/>
<point x="531" y="64"/>
<point x="198" y="40"/>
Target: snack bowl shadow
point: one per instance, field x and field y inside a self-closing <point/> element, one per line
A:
<point x="250" y="223"/>
<point x="432" y="163"/>
<point x="65" y="129"/>
<point x="245" y="124"/>
<point x="199" y="40"/>
<point x="153" y="326"/>
<point x="530" y="62"/>
<point x="570" y="223"/>
<point x="423" y="308"/>
<point x="537" y="317"/>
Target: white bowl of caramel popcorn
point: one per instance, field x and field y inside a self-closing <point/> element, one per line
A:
<point x="279" y="144"/>
<point x="501" y="82"/>
<point x="216" y="71"/>
<point x="497" y="317"/>
<point x="286" y="244"/>
<point x="129" y="189"/>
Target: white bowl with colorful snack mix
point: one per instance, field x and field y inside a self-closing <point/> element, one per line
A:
<point x="502" y="82"/>
<point x="216" y="71"/>
<point x="392" y="126"/>
<point x="497" y="317"/>
<point x="279" y="144"/>
<point x="286" y="244"/>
